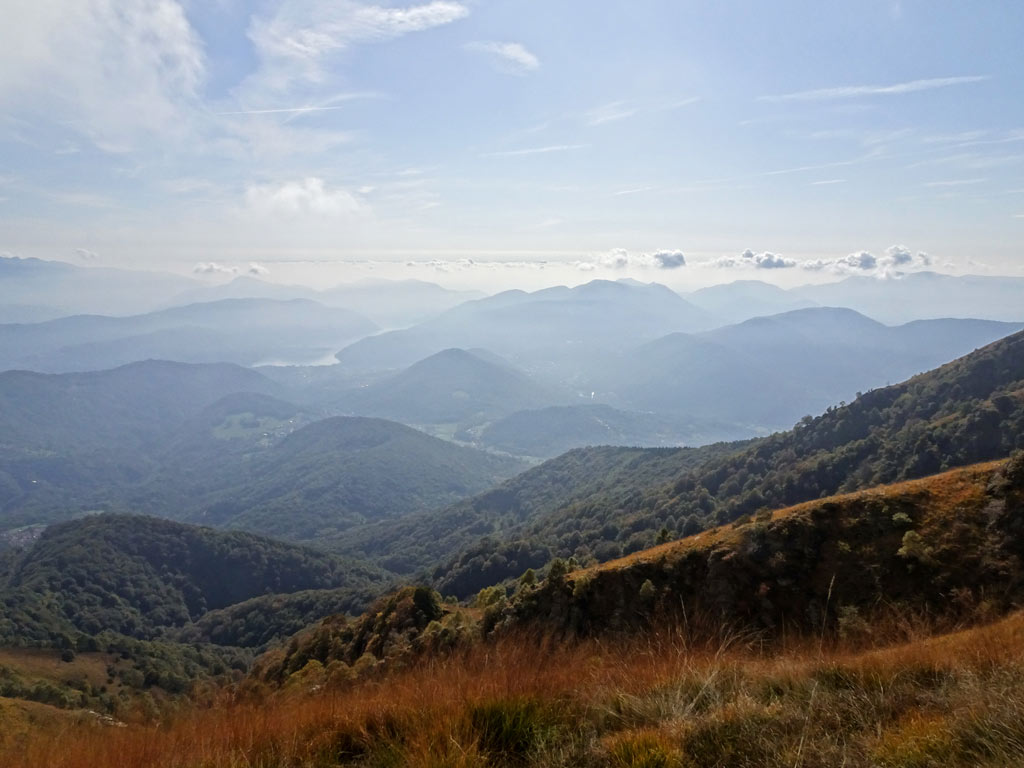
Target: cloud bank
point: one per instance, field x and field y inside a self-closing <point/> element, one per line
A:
<point x="897" y="260"/>
<point x="749" y="259"/>
<point x="620" y="258"/>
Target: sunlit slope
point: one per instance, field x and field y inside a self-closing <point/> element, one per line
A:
<point x="946" y="546"/>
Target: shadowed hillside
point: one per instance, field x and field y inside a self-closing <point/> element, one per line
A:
<point x="138" y="576"/>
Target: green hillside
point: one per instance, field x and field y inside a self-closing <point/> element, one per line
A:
<point x="139" y="576"/>
<point x="968" y="411"/>
<point x="340" y="472"/>
<point x="947" y="547"/>
<point x="74" y="442"/>
<point x="483" y="528"/>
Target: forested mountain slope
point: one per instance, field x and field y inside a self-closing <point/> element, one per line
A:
<point x="141" y="576"/>
<point x="74" y="442"/>
<point x="948" y="546"/>
<point x="342" y="471"/>
<point x="967" y="411"/>
<point x="582" y="479"/>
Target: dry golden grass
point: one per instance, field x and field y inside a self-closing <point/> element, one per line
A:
<point x="659" y="701"/>
<point x="939" y="494"/>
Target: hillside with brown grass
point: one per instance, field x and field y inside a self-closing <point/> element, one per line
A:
<point x="660" y="700"/>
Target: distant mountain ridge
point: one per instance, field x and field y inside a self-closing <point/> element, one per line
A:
<point x="770" y="371"/>
<point x="242" y="331"/>
<point x="924" y="295"/>
<point x="541" y="329"/>
<point x="389" y="303"/>
<point x="68" y="289"/>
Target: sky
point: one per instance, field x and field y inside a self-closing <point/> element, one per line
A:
<point x="515" y="142"/>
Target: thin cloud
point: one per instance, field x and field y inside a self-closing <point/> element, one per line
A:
<point x="288" y="110"/>
<point x="609" y="113"/>
<point x="827" y="181"/>
<point x="299" y="38"/>
<point x="679" y="104"/>
<point x="511" y="58"/>
<point x="535" y="150"/>
<point x="634" y="191"/>
<point x="955" y="182"/>
<point x="325" y="106"/>
<point x="856" y="91"/>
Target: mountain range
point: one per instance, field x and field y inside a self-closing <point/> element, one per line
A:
<point x="243" y="331"/>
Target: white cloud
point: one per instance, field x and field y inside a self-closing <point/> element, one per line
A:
<point x="749" y="259"/>
<point x="306" y="196"/>
<point x="855" y="91"/>
<point x="620" y="258"/>
<point x="114" y="70"/>
<point x="511" y="58"/>
<point x="85" y="254"/>
<point x="862" y="261"/>
<point x="298" y="40"/>
<point x="213" y="268"/>
<point x="616" y="258"/>
<point x="257" y="270"/>
<point x="897" y="260"/>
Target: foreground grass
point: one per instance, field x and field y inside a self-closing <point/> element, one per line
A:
<point x="953" y="700"/>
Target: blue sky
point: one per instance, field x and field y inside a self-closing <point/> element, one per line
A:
<point x="652" y="139"/>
